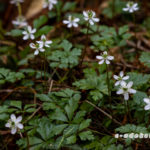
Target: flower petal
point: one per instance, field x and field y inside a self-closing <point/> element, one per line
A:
<point x="125" y="78"/>
<point x="101" y="62"/>
<point x="120" y="91"/>
<point x="13" y="130"/>
<point x="146" y="100"/>
<point x="129" y="85"/>
<point x="20" y="126"/>
<point x="126" y="96"/>
<point x="19" y="119"/>
<point x="116" y="77"/>
<point x="13" y="117"/>
<point x="117" y="83"/>
<point x="147" y="107"/>
<point x="132" y="91"/>
<point x="8" y="125"/>
<point x="36" y="52"/>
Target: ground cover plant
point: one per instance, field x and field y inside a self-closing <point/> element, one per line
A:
<point x="74" y="75"/>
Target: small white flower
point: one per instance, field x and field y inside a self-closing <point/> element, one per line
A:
<point x="105" y="58"/>
<point x="14" y="123"/>
<point x="126" y="89"/>
<point x="90" y="17"/>
<point x="38" y="48"/>
<point x="120" y="78"/>
<point x="147" y="101"/>
<point x="20" y="21"/>
<point x="49" y="4"/>
<point x="71" y="22"/>
<point x="29" y="33"/>
<point x="16" y="1"/>
<point x="131" y="7"/>
<point x="44" y="42"/>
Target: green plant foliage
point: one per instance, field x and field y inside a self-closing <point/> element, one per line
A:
<point x="67" y="58"/>
<point x="145" y="58"/>
<point x="131" y="128"/>
<point x="139" y="79"/>
<point x="8" y="76"/>
<point x="108" y="37"/>
<point x="114" y="9"/>
<point x="65" y="124"/>
<point x="96" y="84"/>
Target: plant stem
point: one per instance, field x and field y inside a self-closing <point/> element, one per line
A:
<point x="113" y="8"/>
<point x="84" y="51"/>
<point x="108" y="87"/>
<point x="19" y="9"/>
<point x="102" y="111"/>
<point x="128" y="108"/>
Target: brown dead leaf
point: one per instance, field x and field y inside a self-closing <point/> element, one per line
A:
<point x="35" y="7"/>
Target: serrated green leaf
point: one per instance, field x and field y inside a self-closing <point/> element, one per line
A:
<point x="86" y="135"/>
<point x="40" y="21"/>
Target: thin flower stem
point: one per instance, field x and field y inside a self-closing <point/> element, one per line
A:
<point x="128" y="107"/>
<point x="113" y="8"/>
<point x="21" y="135"/>
<point x="44" y="65"/>
<point x="19" y="9"/>
<point x="84" y="51"/>
<point x="134" y="21"/>
<point x="102" y="111"/>
<point x="108" y="86"/>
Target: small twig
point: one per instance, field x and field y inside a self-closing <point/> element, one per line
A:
<point x="51" y="85"/>
<point x="32" y="115"/>
<point x="105" y="113"/>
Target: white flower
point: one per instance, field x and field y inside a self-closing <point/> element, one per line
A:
<point x="90" y="17"/>
<point x="131" y="7"/>
<point x="29" y="33"/>
<point x="147" y="101"/>
<point x="38" y="48"/>
<point x="71" y="22"/>
<point x="105" y="58"/>
<point x="20" y="21"/>
<point x="126" y="89"/>
<point x="14" y="123"/>
<point x="16" y="1"/>
<point x="44" y="42"/>
<point x="120" y="78"/>
<point x="49" y="4"/>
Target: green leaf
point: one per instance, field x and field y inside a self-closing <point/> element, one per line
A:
<point x="145" y="58"/>
<point x="17" y="104"/>
<point x="70" y="130"/>
<point x="59" y="128"/>
<point x="69" y="6"/>
<point x="86" y="135"/>
<point x="59" y="142"/>
<point x="43" y="30"/>
<point x="138" y="97"/>
<point x="79" y="116"/>
<point x="66" y="45"/>
<point x="43" y="97"/>
<point x="71" y="107"/>
<point x="138" y="78"/>
<point x="45" y="129"/>
<point x="8" y="76"/>
<point x="123" y="29"/>
<point x="48" y="106"/>
<point x="84" y="124"/>
<point x="40" y="21"/>
<point x="15" y="32"/>
<point x="59" y="115"/>
<point x="66" y="58"/>
<point x="131" y="128"/>
<point x="71" y="140"/>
